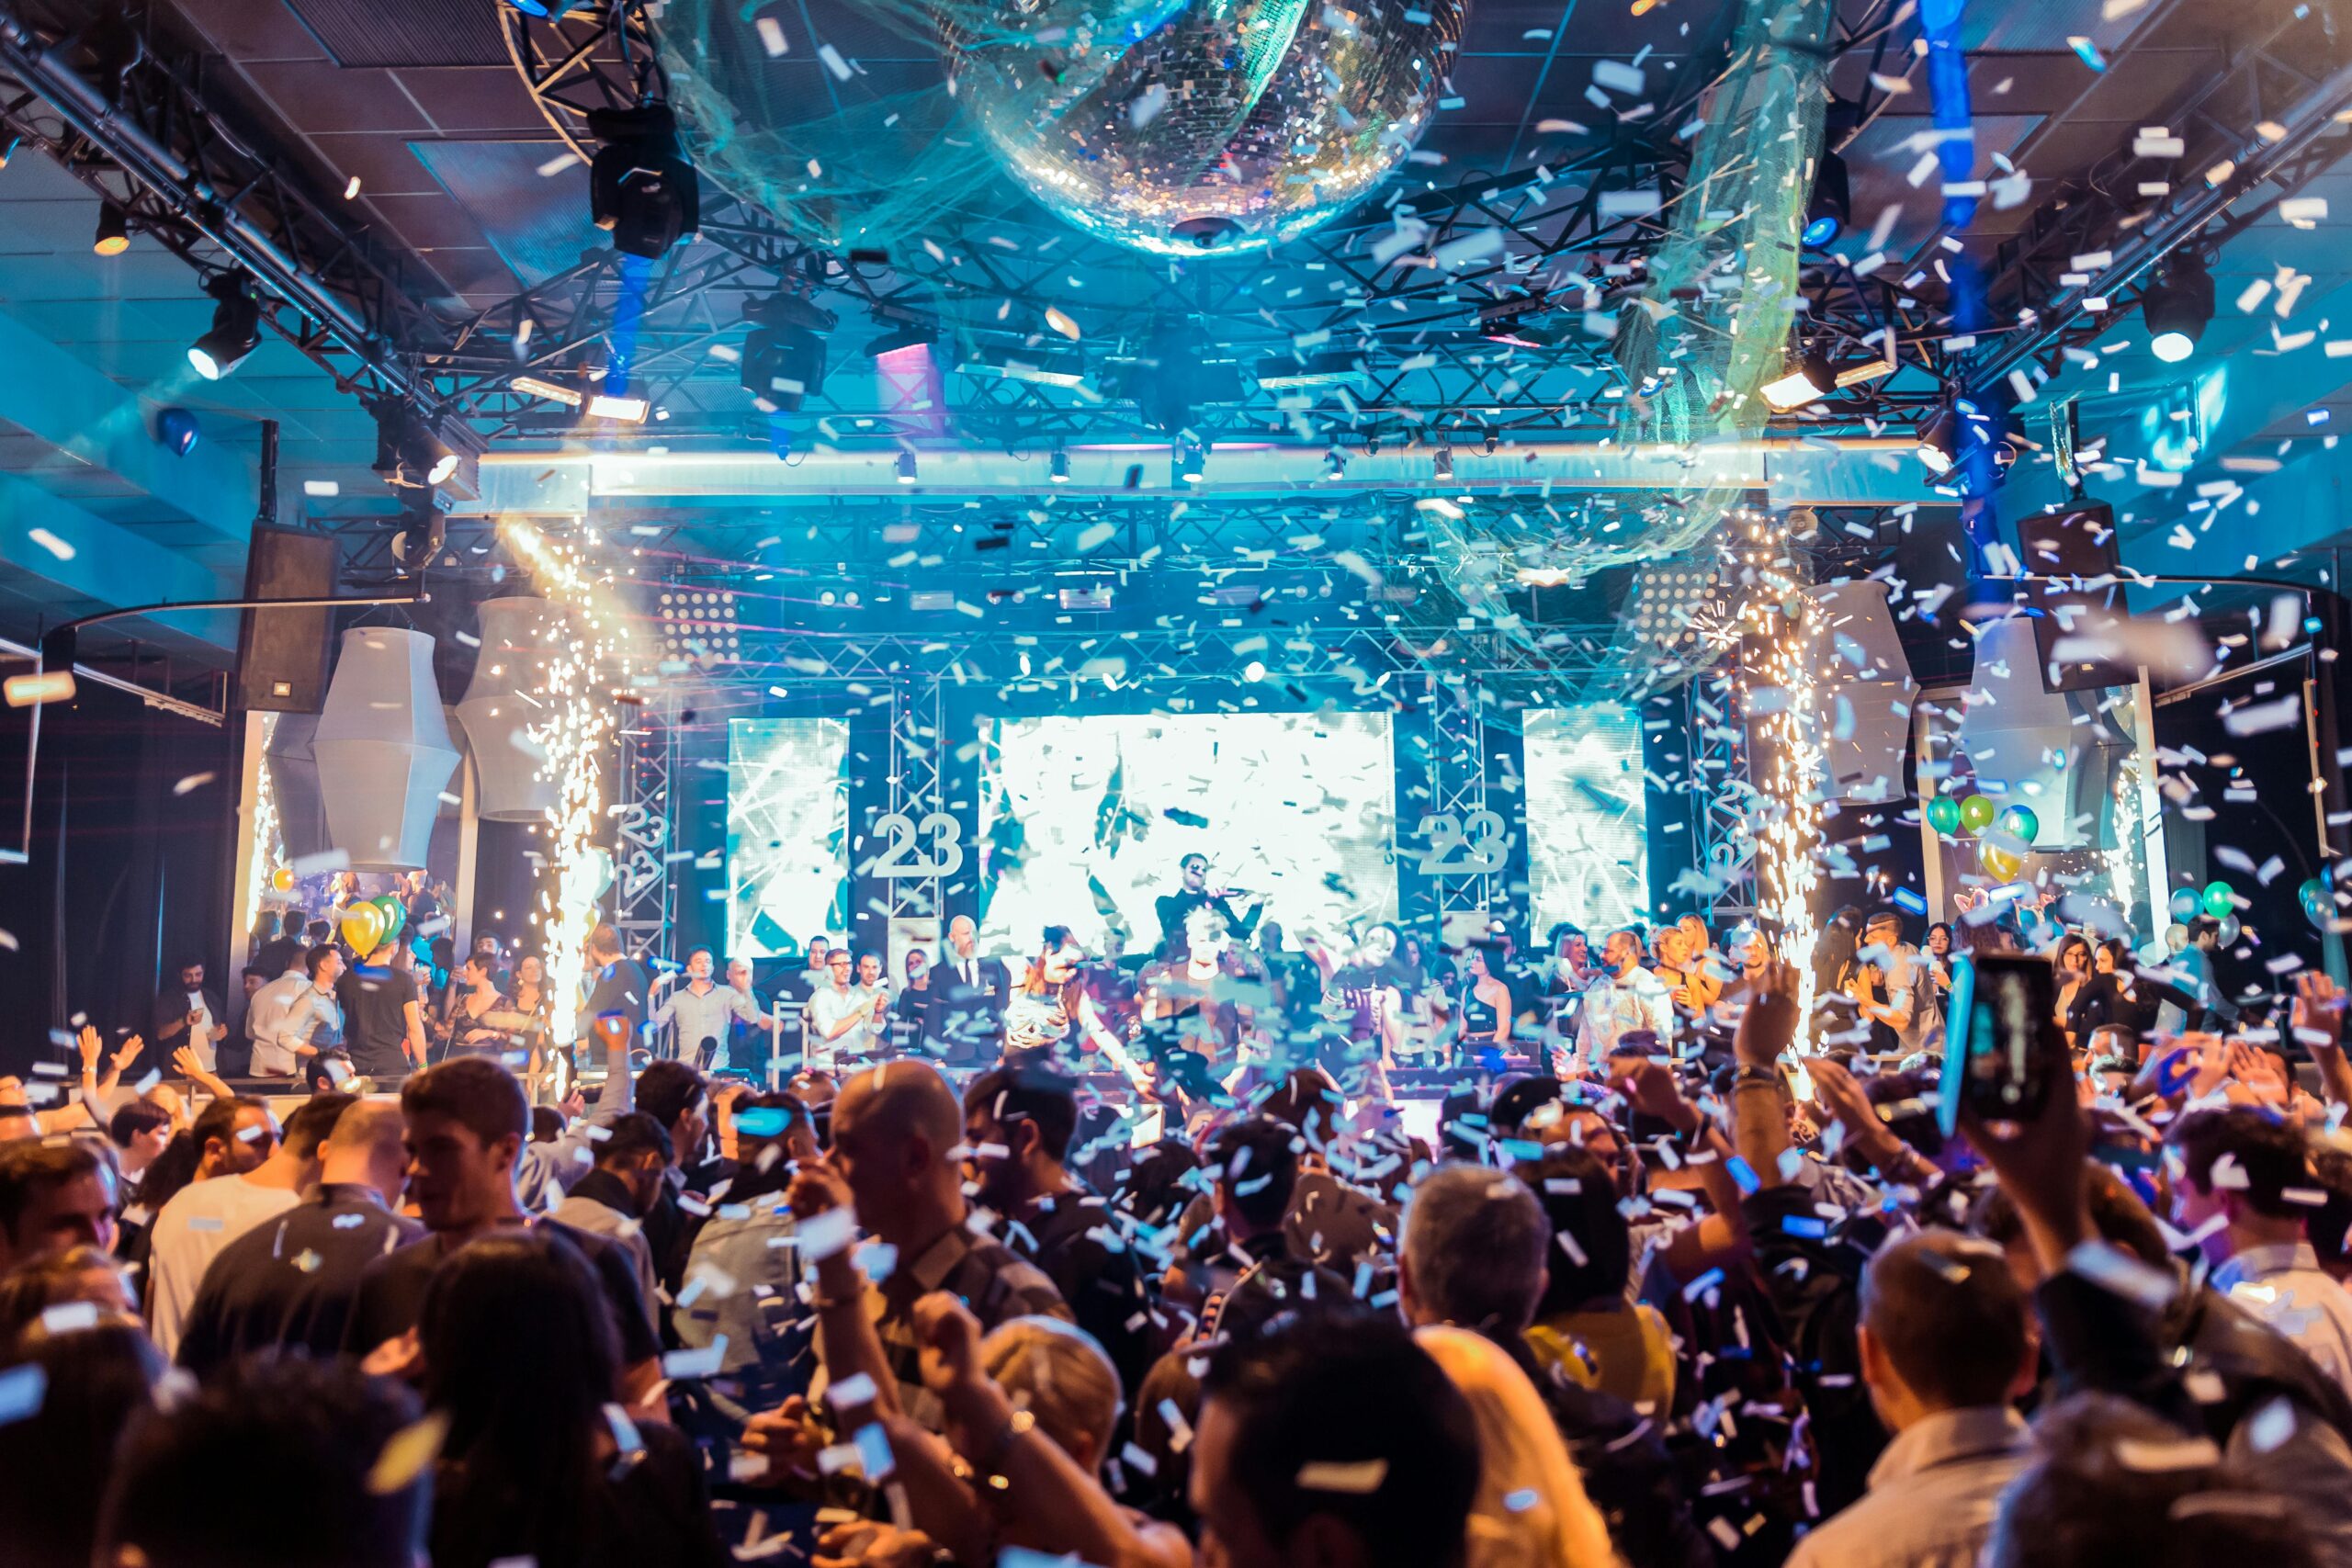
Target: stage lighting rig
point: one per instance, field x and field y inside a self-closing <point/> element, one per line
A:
<point x="1058" y="465"/>
<point x="236" y="327"/>
<point x="641" y="190"/>
<point x="1809" y="380"/>
<point x="784" y="356"/>
<point x="413" y="454"/>
<point x="1830" y="207"/>
<point x="2177" y="306"/>
<point x="176" y="429"/>
<point x="1444" y="460"/>
<point x="1175" y="372"/>
<point x="1939" y="442"/>
<point x="113" y="237"/>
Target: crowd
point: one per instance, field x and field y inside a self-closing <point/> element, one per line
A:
<point x="1682" y="1275"/>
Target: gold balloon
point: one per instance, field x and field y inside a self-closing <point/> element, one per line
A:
<point x="282" y="879"/>
<point x="363" y="928"/>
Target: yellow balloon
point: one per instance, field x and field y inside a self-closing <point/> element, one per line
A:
<point x="282" y="879"/>
<point x="363" y="928"/>
<point x="1999" y="862"/>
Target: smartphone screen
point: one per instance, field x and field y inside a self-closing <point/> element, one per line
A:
<point x="1995" y="1058"/>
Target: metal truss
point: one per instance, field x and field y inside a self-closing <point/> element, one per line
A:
<point x="646" y="822"/>
<point x="1458" y="789"/>
<point x="1723" y="814"/>
<point x="917" y="790"/>
<point x="110" y="94"/>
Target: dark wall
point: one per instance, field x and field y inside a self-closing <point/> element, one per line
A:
<point x="130" y="870"/>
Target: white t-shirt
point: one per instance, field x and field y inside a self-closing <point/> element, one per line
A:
<point x="826" y="1009"/>
<point x="200" y="1220"/>
<point x="199" y="1033"/>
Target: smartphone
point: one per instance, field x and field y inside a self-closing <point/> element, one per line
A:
<point x="1997" y="1058"/>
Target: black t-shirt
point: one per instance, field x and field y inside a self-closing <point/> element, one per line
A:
<point x="289" y="1282"/>
<point x="620" y="987"/>
<point x="1066" y="1237"/>
<point x="391" y="1298"/>
<point x="375" y="1020"/>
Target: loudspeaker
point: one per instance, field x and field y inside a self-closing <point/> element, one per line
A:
<point x="282" y="654"/>
<point x="2076" y="543"/>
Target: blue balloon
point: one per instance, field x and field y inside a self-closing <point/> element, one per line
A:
<point x="2184" y="905"/>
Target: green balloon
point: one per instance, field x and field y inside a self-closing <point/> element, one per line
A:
<point x="395" y="914"/>
<point x="2020" y="820"/>
<point x="1976" y="813"/>
<point x="2220" y="900"/>
<point x="1943" y="814"/>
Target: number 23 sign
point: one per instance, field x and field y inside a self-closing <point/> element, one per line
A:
<point x="903" y="855"/>
<point x="1456" y="846"/>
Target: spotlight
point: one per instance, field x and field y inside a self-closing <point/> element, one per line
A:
<point x="2176" y="308"/>
<point x="1444" y="460"/>
<point x="784" y="357"/>
<point x="1831" y="205"/>
<point x="1332" y="367"/>
<point x="641" y="190"/>
<point x="899" y="341"/>
<point x="236" y="328"/>
<point x="627" y="410"/>
<point x="1811" y="380"/>
<point x="553" y="391"/>
<point x="410" y="455"/>
<point x="1191" y="462"/>
<point x="1939" y="442"/>
<point x="114" y="230"/>
<point x="1489" y="444"/>
<point x="1335" y="464"/>
<point x="1058" y="465"/>
<point x="907" y="467"/>
<point x="175" y="428"/>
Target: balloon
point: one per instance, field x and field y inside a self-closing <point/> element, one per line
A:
<point x="1943" y="814"/>
<point x="363" y="928"/>
<point x="2318" y="907"/>
<point x="2230" y="929"/>
<point x="2218" y="899"/>
<point x="395" y="914"/>
<point x="2183" y="905"/>
<point x="2020" y="820"/>
<point x="1976" y="813"/>
<point x="2002" y="854"/>
<point x="282" y="879"/>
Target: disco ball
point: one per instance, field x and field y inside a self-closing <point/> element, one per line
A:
<point x="1197" y="126"/>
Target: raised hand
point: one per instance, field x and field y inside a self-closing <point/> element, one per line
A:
<point x="87" y="1042"/>
<point x="1771" y="1021"/>
<point x="128" y="1052"/>
<point x="950" y="1340"/>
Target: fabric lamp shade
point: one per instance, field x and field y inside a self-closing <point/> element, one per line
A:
<point x="1864" y="690"/>
<point x="294" y="786"/>
<point x="2026" y="747"/>
<point x="498" y="711"/>
<point x="383" y="748"/>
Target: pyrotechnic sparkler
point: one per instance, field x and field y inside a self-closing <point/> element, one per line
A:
<point x="268" y="849"/>
<point x="1782" y="704"/>
<point x="588" y="648"/>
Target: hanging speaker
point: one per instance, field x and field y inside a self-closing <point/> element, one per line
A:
<point x="1863" y="691"/>
<point x="282" y="654"/>
<point x="383" y="748"/>
<point x="2077" y="543"/>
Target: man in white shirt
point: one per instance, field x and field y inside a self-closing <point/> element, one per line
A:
<point x="244" y="1177"/>
<point x="703" y="1010"/>
<point x="1626" y="998"/>
<point x="840" y="1015"/>
<point x="290" y="1012"/>
<point x="2241" y="1186"/>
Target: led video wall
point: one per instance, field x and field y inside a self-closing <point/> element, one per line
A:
<point x="1586" y="831"/>
<point x="788" y="833"/>
<point x="1084" y="820"/>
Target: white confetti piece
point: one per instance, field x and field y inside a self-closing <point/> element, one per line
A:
<point x="50" y="543"/>
<point x="772" y="38"/>
<point x="834" y="62"/>
<point x="193" y="781"/>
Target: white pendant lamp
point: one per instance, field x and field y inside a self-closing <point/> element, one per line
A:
<point x="294" y="786"/>
<point x="383" y="748"/>
<point x="1863" y="691"/>
<point x="509" y="678"/>
<point x="2026" y="747"/>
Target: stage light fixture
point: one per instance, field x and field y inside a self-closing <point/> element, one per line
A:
<point x="1191" y="462"/>
<point x="1058" y="465"/>
<point x="236" y="328"/>
<point x="114" y="230"/>
<point x="900" y="340"/>
<point x="1490" y="442"/>
<point x="784" y="356"/>
<point x="1939" y="442"/>
<point x="554" y="392"/>
<point x="907" y="470"/>
<point x="1332" y="367"/>
<point x="1178" y="370"/>
<point x="641" y="190"/>
<point x="412" y="454"/>
<point x="1335" y="464"/>
<point x="620" y="407"/>
<point x="1810" y="381"/>
<point x="175" y="428"/>
<point x="1444" y="460"/>
<point x="1831" y="205"/>
<point x="2177" y="307"/>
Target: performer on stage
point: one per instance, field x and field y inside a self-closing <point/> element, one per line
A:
<point x="971" y="999"/>
<point x="1363" y="1009"/>
<point x="1188" y="1023"/>
<point x="1194" y="894"/>
<point x="702" y="1009"/>
<point x="1052" y="1002"/>
<point x="1486" y="1011"/>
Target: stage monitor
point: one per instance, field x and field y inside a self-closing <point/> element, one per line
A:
<point x="788" y="833"/>
<point x="1588" y="846"/>
<point x="1084" y="820"/>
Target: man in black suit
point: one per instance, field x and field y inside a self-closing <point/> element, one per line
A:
<point x="971" y="993"/>
<point x="1174" y="908"/>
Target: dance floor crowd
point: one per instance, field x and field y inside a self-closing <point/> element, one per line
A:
<point x="1675" y="1266"/>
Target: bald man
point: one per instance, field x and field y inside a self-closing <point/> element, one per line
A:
<point x="972" y="993"/>
<point x="289" y="1282"/>
<point x="896" y="1162"/>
